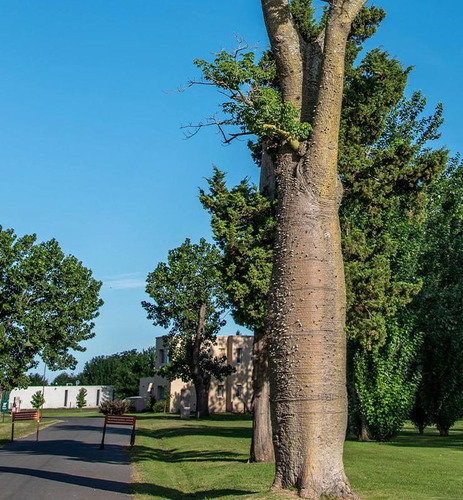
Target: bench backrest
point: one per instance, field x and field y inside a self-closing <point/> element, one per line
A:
<point x="25" y="415"/>
<point x="120" y="420"/>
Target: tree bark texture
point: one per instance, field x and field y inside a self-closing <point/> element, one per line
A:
<point x="261" y="444"/>
<point x="201" y="380"/>
<point x="307" y="344"/>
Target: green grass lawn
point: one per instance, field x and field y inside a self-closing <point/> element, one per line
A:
<point x="206" y="459"/>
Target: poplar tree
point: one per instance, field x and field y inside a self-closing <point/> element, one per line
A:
<point x="439" y="305"/>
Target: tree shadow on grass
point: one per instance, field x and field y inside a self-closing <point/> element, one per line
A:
<point x="158" y="491"/>
<point x="144" y="453"/>
<point x="198" y="430"/>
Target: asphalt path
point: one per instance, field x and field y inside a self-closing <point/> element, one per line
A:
<point x="67" y="463"/>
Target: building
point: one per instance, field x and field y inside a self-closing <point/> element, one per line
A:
<point x="233" y="394"/>
<point x="61" y="396"/>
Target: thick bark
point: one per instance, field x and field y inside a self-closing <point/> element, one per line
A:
<point x="286" y="46"/>
<point x="307" y="344"/>
<point x="261" y="445"/>
<point x="312" y="71"/>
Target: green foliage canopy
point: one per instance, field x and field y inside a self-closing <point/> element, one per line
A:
<point x="121" y="370"/>
<point x="189" y="281"/>
<point x="47" y="305"/>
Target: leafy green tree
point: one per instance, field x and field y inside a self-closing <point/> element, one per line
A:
<point x="37" y="400"/>
<point x="65" y="378"/>
<point x="189" y="301"/>
<point x="37" y="379"/>
<point x="80" y="399"/>
<point x="47" y="305"/>
<point x="121" y="370"/>
<point x="439" y="306"/>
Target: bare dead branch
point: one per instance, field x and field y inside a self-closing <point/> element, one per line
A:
<point x="227" y="138"/>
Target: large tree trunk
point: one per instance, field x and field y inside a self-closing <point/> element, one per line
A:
<point x="307" y="344"/>
<point x="261" y="444"/>
<point x="202" y="397"/>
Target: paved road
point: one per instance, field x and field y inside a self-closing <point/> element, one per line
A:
<point x="67" y="464"/>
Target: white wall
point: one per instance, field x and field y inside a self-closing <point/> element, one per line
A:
<point x="55" y="395"/>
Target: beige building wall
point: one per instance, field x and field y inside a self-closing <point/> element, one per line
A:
<point x="233" y="394"/>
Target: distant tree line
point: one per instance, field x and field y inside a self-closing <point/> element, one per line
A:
<point x="121" y="370"/>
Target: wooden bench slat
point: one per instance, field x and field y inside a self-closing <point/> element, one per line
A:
<point x="25" y="416"/>
<point x="118" y="419"/>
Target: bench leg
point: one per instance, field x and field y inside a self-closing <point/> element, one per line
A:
<point x="102" y="439"/>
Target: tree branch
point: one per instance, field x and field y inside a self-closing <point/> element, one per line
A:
<point x="213" y="122"/>
<point x="286" y="47"/>
<point x="353" y="7"/>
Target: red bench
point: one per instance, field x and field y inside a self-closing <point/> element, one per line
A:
<point x="23" y="416"/>
<point x="119" y="420"/>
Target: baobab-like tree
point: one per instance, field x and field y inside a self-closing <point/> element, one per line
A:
<point x="294" y="108"/>
<point x="307" y="344"/>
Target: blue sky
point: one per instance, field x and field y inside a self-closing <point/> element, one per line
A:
<point x="91" y="150"/>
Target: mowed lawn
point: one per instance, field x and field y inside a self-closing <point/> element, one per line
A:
<point x="207" y="459"/>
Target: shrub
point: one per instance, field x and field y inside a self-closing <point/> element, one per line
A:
<point x="151" y="401"/>
<point x="37" y="400"/>
<point x="80" y="400"/>
<point x="116" y="407"/>
<point x="159" y="406"/>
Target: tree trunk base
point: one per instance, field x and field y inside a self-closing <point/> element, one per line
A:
<point x="340" y="491"/>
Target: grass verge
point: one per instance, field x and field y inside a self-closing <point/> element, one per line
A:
<point x="21" y="429"/>
<point x="207" y="459"/>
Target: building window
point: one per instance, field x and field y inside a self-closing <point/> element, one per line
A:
<point x="98" y="397"/>
<point x="161" y="392"/>
<point x="66" y="397"/>
<point x="220" y="391"/>
<point x="239" y="391"/>
<point x="164" y="356"/>
<point x="239" y="355"/>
